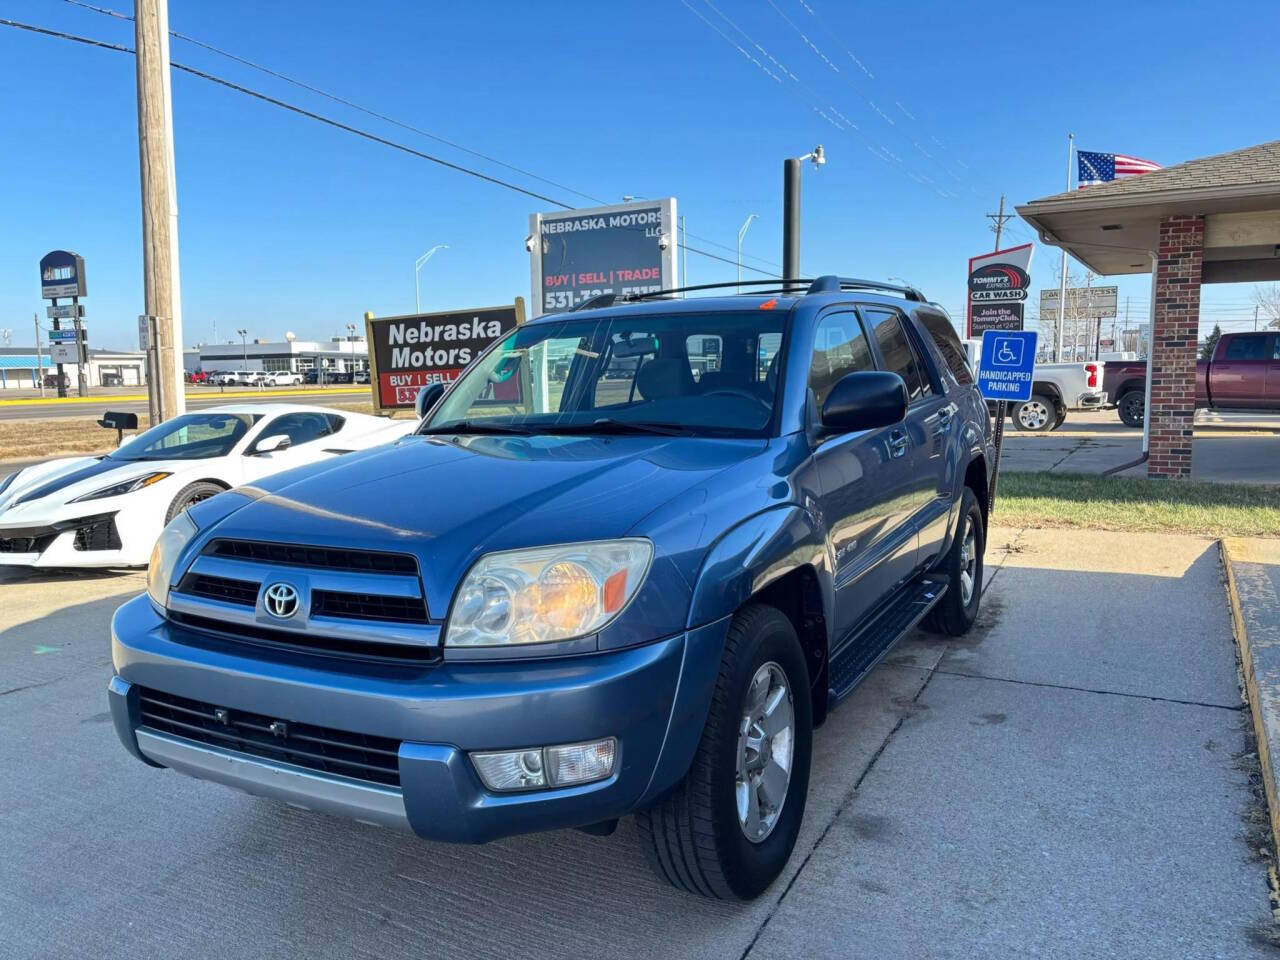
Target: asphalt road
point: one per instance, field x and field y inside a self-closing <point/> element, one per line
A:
<point x="1067" y="781"/>
<point x="196" y="398"/>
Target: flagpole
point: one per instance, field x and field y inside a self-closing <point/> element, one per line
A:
<point x="1062" y="284"/>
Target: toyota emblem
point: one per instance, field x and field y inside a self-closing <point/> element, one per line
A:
<point x="281" y="600"/>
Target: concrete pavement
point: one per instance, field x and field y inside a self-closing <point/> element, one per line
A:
<point x="1063" y="783"/>
<point x="1228" y="448"/>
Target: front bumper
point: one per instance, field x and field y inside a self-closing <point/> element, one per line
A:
<point x="653" y="698"/>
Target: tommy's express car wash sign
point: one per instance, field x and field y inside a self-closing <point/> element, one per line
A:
<point x="580" y="254"/>
<point x="408" y="353"/>
<point x="998" y="285"/>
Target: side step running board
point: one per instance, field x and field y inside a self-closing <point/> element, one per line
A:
<point x="854" y="659"/>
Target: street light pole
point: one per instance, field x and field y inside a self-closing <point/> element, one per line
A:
<point x="791" y="212"/>
<point x="742" y="233"/>
<point x="417" y="265"/>
<point x="244" y="347"/>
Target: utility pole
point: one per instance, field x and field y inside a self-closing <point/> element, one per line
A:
<point x="35" y="318"/>
<point x="999" y="219"/>
<point x="1062" y="285"/>
<point x="161" y="288"/>
<point x="684" y="256"/>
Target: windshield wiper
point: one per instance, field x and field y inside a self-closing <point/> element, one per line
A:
<point x="608" y="425"/>
<point x="480" y="426"/>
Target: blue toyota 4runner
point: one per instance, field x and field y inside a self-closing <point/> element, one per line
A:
<point x="627" y="563"/>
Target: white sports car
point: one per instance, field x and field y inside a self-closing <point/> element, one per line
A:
<point x="107" y="511"/>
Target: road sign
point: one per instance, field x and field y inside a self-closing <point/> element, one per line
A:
<point x="61" y="275"/>
<point x="64" y="311"/>
<point x="581" y="254"/>
<point x="144" y="332"/>
<point x="1091" y="302"/>
<point x="1006" y="368"/>
<point x="65" y="352"/>
<point x="66" y="335"/>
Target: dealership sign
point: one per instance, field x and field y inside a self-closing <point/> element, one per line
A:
<point x="577" y="255"/>
<point x="411" y="352"/>
<point x="998" y="284"/>
<point x="61" y="275"/>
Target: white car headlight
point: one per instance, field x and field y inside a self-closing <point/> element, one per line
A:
<point x="164" y="556"/>
<point x="546" y="594"/>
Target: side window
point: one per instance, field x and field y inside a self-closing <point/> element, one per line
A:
<point x="1245" y="348"/>
<point x="839" y="348"/>
<point x="899" y="356"/>
<point x="299" y="427"/>
<point x="945" y="338"/>
<point x="335" y="422"/>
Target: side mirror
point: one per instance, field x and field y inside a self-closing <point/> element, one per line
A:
<point x="273" y="443"/>
<point x="428" y="397"/>
<point x="864" y="401"/>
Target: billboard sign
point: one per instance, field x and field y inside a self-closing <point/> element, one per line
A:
<point x="580" y="254"/>
<point x="410" y="352"/>
<point x="998" y="284"/>
<point x="61" y="274"/>
<point x="1091" y="302"/>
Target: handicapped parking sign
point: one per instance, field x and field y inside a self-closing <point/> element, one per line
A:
<point x="1007" y="364"/>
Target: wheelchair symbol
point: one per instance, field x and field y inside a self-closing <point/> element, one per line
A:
<point x="1008" y="352"/>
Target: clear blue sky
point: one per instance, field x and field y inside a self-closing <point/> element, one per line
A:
<point x="289" y="225"/>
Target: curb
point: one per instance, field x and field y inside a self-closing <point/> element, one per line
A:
<point x="1248" y="669"/>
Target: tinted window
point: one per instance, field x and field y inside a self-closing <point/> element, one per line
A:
<point x="839" y="348"/>
<point x="192" y="436"/>
<point x="1245" y="348"/>
<point x="947" y="341"/>
<point x="299" y="427"/>
<point x="896" y="349"/>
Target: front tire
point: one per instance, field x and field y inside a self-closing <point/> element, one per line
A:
<point x="955" y="613"/>
<point x="191" y="494"/>
<point x="1037" y="415"/>
<point x="728" y="829"/>
<point x="1132" y="408"/>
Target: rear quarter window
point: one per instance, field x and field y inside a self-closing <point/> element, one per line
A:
<point x="947" y="340"/>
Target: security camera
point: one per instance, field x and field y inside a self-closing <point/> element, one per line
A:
<point x="819" y="156"/>
<point x="664" y="241"/>
<point x="530" y="242"/>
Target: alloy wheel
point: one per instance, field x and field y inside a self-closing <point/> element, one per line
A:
<point x="766" y="742"/>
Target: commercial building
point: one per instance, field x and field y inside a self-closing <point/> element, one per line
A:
<point x="20" y="369"/>
<point x="339" y="355"/>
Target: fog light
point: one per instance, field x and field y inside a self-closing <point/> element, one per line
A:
<point x="562" y="766"/>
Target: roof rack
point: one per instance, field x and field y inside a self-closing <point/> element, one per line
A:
<point x="799" y="286"/>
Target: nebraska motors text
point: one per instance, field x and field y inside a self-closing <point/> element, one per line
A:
<point x="434" y="336"/>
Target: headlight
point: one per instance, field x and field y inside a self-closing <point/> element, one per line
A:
<point x="164" y="556"/>
<point x="128" y="486"/>
<point x="546" y="594"/>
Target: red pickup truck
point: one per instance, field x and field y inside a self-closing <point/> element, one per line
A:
<point x="1242" y="374"/>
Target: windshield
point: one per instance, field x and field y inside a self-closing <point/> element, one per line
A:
<point x="193" y="436"/>
<point x="711" y="374"/>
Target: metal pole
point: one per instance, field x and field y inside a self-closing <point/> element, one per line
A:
<point x="57" y="325"/>
<point x="161" y="288"/>
<point x="82" y="351"/>
<point x="417" y="298"/>
<point x="155" y="326"/>
<point x="1062" y="285"/>
<point x="790" y="220"/>
<point x="684" y="256"/>
<point x="35" y="317"/>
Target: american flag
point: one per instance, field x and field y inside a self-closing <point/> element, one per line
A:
<point x="1095" y="168"/>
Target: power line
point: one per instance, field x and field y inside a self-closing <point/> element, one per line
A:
<point x="329" y="121"/>
<point x="302" y="84"/>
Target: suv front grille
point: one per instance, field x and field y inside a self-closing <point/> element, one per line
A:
<point x="316" y="644"/>
<point x="336" y="752"/>
<point x="327" y="558"/>
<point x="367" y="606"/>
<point x="226" y="589"/>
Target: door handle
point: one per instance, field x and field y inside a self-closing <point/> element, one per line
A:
<point x="897" y="444"/>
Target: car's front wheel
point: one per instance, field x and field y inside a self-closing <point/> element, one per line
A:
<point x="190" y="495"/>
<point x="728" y="829"/>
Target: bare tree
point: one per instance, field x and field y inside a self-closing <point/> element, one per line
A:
<point x="1267" y="299"/>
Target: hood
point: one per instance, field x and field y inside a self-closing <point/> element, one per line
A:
<point x="450" y="500"/>
<point x="42" y="479"/>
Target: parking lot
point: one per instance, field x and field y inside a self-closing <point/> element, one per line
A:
<point x="1066" y="781"/>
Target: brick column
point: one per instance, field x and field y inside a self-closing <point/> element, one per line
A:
<point x="1175" y="337"/>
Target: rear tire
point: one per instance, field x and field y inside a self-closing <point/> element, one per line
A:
<point x="1037" y="415"/>
<point x="1132" y="408"/>
<point x="955" y="613"/>
<point x="696" y="838"/>
<point x="192" y="493"/>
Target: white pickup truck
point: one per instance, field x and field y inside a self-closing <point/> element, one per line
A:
<point x="1057" y="388"/>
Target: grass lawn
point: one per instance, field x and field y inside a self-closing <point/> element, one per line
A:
<point x="1136" y="503"/>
